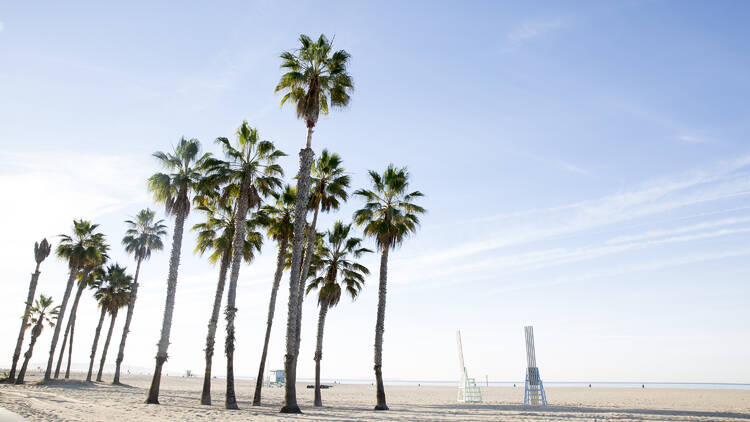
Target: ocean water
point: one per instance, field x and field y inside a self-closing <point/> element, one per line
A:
<point x="520" y="384"/>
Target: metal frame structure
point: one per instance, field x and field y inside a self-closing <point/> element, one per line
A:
<point x="533" y="393"/>
<point x="468" y="391"/>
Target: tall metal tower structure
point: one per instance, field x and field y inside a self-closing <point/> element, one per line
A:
<point x="468" y="392"/>
<point x="533" y="393"/>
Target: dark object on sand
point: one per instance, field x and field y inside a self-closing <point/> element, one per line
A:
<point x="322" y="386"/>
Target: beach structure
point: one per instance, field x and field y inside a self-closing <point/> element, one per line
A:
<point x="275" y="378"/>
<point x="533" y="393"/>
<point x="468" y="391"/>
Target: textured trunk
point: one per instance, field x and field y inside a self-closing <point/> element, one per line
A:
<point x="106" y="347"/>
<point x="71" y="321"/>
<point x="58" y="326"/>
<point x="379" y="328"/>
<point x="300" y="211"/>
<point x="126" y="328"/>
<point x="303" y="277"/>
<point x="212" y="322"/>
<point x="319" y="352"/>
<point x="24" y="321"/>
<point x="34" y="335"/>
<point x="70" y="349"/>
<point x="237" y="248"/>
<point x="166" y="326"/>
<point x="269" y="320"/>
<point x="96" y="343"/>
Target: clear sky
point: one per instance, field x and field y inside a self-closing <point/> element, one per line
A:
<point x="586" y="170"/>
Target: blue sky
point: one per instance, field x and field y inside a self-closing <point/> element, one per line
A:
<point x="586" y="168"/>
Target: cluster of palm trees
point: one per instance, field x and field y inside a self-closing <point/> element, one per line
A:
<point x="241" y="195"/>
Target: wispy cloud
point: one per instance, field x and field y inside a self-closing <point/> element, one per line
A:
<point x="532" y="29"/>
<point x="693" y="139"/>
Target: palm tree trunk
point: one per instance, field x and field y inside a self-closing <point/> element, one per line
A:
<point x="212" y="322"/>
<point x="166" y="326"/>
<point x="300" y="212"/>
<point x="34" y="335"/>
<point x="238" y="244"/>
<point x="106" y="346"/>
<point x="319" y="352"/>
<point x="269" y="320"/>
<point x="96" y="343"/>
<point x="305" y="271"/>
<point x="24" y="321"/>
<point x="70" y="349"/>
<point x="379" y="328"/>
<point x="126" y="328"/>
<point x="58" y="326"/>
<point x="71" y="320"/>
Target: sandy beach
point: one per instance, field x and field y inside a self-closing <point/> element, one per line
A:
<point x="76" y="400"/>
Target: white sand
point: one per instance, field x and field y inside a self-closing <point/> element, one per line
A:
<point x="76" y="400"/>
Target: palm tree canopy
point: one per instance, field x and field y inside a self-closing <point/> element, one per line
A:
<point x="329" y="182"/>
<point x="113" y="288"/>
<point x="250" y="157"/>
<point x="316" y="77"/>
<point x="84" y="247"/>
<point x="144" y="234"/>
<point x="184" y="170"/>
<point x="389" y="214"/>
<point x="278" y="217"/>
<point x="216" y="233"/>
<point x="41" y="250"/>
<point x="336" y="266"/>
<point x="40" y="311"/>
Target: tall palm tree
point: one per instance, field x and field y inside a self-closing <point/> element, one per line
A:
<point x="337" y="269"/>
<point x="329" y="184"/>
<point x="174" y="189"/>
<point x="112" y="288"/>
<point x="78" y="249"/>
<point x="389" y="216"/>
<point x="36" y="316"/>
<point x="98" y="258"/>
<point x="144" y="234"/>
<point x="216" y="235"/>
<point x="251" y="164"/>
<point x="41" y="252"/>
<point x="315" y="78"/>
<point x="278" y="218"/>
<point x="86" y="278"/>
<point x="118" y="299"/>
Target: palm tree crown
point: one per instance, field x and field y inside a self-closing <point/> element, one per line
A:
<point x="329" y="183"/>
<point x="278" y="217"/>
<point x="40" y="313"/>
<point x="316" y="78"/>
<point x="83" y="247"/>
<point x="185" y="170"/>
<point x="144" y="234"/>
<point x="389" y="214"/>
<point x="334" y="260"/>
<point x="113" y="288"/>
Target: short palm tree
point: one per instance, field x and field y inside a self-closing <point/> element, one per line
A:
<point x="95" y="260"/>
<point x="251" y="164"/>
<point x="336" y="268"/>
<point x="174" y="189"/>
<point x="36" y="316"/>
<point x="113" y="287"/>
<point x="389" y="216"/>
<point x="41" y="252"/>
<point x="278" y="218"/>
<point x="316" y="78"/>
<point x="329" y="184"/>
<point x="78" y="249"/>
<point x="215" y="235"/>
<point x="143" y="235"/>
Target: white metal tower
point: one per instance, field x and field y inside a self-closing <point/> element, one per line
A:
<point x="468" y="392"/>
<point x="533" y="393"/>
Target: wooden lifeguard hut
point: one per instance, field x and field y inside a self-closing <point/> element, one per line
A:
<point x="276" y="378"/>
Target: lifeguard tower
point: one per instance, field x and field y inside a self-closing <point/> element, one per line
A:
<point x="533" y="393"/>
<point x="468" y="392"/>
<point x="276" y="378"/>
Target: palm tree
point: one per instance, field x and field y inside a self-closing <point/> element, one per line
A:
<point x="389" y="216"/>
<point x="174" y="190"/>
<point x="251" y="164"/>
<point x="315" y="78"/>
<point x="36" y="316"/>
<point x="98" y="258"/>
<point x="41" y="252"/>
<point x="78" y="249"/>
<point x="113" y="288"/>
<point x="87" y="279"/>
<point x="278" y="220"/>
<point x="216" y="235"/>
<point x="329" y="184"/>
<point x="144" y="234"/>
<point x="337" y="269"/>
